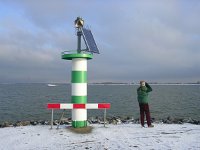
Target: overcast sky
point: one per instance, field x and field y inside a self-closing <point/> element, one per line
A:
<point x="153" y="40"/>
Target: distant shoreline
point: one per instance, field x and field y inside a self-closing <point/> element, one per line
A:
<point x="138" y="83"/>
<point x="115" y="83"/>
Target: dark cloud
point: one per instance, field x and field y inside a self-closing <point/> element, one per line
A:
<point x="157" y="40"/>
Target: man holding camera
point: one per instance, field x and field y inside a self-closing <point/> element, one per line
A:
<point x="142" y="96"/>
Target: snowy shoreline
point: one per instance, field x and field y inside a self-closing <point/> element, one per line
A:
<point x="121" y="136"/>
<point x="100" y="120"/>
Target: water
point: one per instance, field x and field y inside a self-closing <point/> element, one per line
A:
<point x="28" y="101"/>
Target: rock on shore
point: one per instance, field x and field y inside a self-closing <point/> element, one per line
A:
<point x="100" y="120"/>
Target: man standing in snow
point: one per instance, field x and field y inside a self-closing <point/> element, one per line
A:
<point x="142" y="95"/>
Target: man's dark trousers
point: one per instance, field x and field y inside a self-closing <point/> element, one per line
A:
<point x="144" y="109"/>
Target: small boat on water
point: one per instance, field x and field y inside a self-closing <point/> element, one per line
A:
<point x="51" y="85"/>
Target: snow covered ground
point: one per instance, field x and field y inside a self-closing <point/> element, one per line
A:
<point x="113" y="137"/>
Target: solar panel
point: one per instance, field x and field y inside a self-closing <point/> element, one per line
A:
<point x="89" y="41"/>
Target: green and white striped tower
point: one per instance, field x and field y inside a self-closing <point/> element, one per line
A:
<point x="78" y="87"/>
<point x="78" y="78"/>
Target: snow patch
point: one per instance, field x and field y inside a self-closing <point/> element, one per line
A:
<point x="123" y="136"/>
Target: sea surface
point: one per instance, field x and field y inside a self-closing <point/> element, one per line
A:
<point x="20" y="102"/>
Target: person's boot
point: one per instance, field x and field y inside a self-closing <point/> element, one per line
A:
<point x="151" y="126"/>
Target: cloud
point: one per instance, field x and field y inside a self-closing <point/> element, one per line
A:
<point x="157" y="40"/>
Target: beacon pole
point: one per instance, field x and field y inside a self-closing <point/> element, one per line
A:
<point x="79" y="41"/>
<point x="79" y="72"/>
<point x="78" y="78"/>
<point x="79" y="59"/>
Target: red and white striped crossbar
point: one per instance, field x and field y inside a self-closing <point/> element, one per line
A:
<point x="78" y="106"/>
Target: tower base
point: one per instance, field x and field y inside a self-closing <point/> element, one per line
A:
<point x="79" y="124"/>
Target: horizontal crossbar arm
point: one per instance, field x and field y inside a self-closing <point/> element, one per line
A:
<point x="78" y="106"/>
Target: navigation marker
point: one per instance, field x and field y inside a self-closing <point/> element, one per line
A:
<point x="79" y="77"/>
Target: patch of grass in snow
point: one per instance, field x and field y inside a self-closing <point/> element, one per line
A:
<point x="84" y="130"/>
